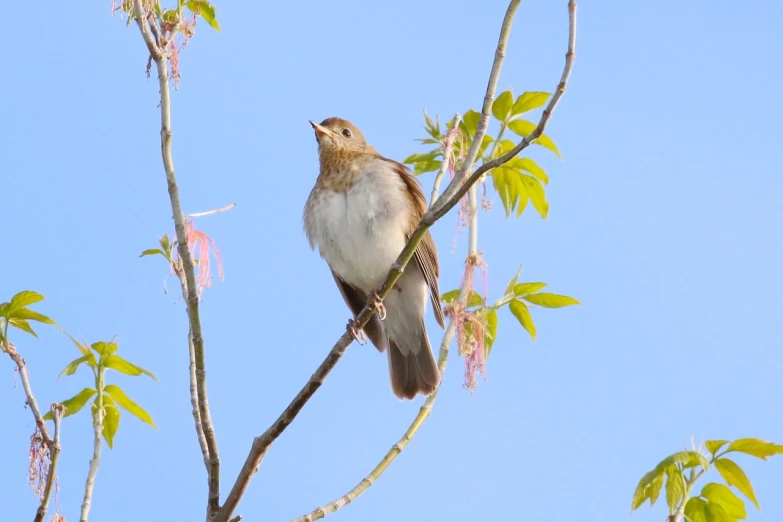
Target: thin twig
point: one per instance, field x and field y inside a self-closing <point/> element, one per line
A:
<point x="195" y="335"/>
<point x="54" y="457"/>
<point x="448" y="149"/>
<point x="21" y="367"/>
<point x="95" y="462"/>
<point x="262" y="443"/>
<point x="210" y="212"/>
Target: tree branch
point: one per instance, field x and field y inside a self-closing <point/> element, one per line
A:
<point x="21" y="367"/>
<point x="54" y="457"/>
<point x="450" y="198"/>
<point x="160" y="56"/>
<point x="95" y="462"/>
<point x="448" y="148"/>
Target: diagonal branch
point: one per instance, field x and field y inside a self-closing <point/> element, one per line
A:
<point x="453" y="193"/>
<point x="160" y="57"/>
<point x="21" y="367"/>
<point x="54" y="457"/>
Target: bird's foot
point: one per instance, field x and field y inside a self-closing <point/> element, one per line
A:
<point x="376" y="304"/>
<point x="356" y="333"/>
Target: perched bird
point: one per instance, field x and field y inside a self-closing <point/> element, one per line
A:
<point x="360" y="214"/>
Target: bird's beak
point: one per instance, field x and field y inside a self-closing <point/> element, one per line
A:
<point x="319" y="130"/>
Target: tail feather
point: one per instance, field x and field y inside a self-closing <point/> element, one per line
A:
<point x="413" y="373"/>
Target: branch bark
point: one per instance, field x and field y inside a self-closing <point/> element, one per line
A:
<point x="157" y="50"/>
<point x="97" y="445"/>
<point x="54" y="458"/>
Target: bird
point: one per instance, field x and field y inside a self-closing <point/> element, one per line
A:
<point x="360" y="214"/>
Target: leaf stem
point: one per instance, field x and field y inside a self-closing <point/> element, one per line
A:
<point x="95" y="462"/>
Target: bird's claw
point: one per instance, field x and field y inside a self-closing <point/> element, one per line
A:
<point x="376" y="303"/>
<point x="356" y="333"/>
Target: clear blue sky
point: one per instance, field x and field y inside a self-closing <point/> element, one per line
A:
<point x="665" y="222"/>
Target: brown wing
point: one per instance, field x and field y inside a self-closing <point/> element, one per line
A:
<point x="426" y="254"/>
<point x="356" y="299"/>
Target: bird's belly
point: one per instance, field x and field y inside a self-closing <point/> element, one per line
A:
<point x="361" y="236"/>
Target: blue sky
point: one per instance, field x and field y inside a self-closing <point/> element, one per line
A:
<point x="664" y="221"/>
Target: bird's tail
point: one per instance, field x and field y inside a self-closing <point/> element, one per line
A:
<point x="413" y="373"/>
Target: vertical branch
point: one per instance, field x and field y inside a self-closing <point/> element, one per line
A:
<point x="447" y="163"/>
<point x="54" y="457"/>
<point x="95" y="462"/>
<point x="160" y="57"/>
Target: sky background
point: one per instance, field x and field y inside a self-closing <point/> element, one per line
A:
<point x="665" y="223"/>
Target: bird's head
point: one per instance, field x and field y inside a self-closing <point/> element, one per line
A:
<point x="338" y="137"/>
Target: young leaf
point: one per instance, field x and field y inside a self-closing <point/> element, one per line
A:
<point x="509" y="186"/>
<point x="72" y="366"/>
<point x="474" y="298"/>
<point x="104" y="348"/>
<point x="165" y="244"/>
<point x="206" y="10"/>
<point x="21" y="324"/>
<point x="550" y="300"/>
<point x="501" y="108"/>
<point x="77" y="402"/>
<point x="716" y="513"/>
<point x="695" y="510"/>
<point x="469" y="122"/>
<point x="82" y="347"/>
<point x="29" y="315"/>
<point x="713" y="446"/>
<point x="125" y="402"/>
<point x="490" y="330"/>
<point x="675" y="487"/>
<point x="423" y="167"/>
<point x="521" y="312"/>
<point x="532" y="168"/>
<point x="513" y="283"/>
<point x="734" y="476"/>
<point x="536" y="194"/>
<point x="756" y="447"/>
<point x="725" y="497"/>
<point x="111" y="419"/>
<point x="649" y="487"/>
<point x="696" y="459"/>
<point x="424" y="156"/>
<point x="152" y="252"/>
<point x="527" y="288"/>
<point x="528" y="101"/>
<point x="25" y="298"/>
<point x="524" y="128"/>
<point x="115" y="362"/>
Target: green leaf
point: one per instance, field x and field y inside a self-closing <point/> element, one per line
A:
<point x="490" y="330"/>
<point x="501" y="108"/>
<point x="503" y="147"/>
<point x="82" y="347"/>
<point x="524" y="128"/>
<point x="30" y="315"/>
<point x="536" y="194"/>
<point x="104" y="348"/>
<point x="527" y="288"/>
<point x="725" y="497"/>
<point x="675" y="458"/>
<point x="675" y="487"/>
<point x="165" y="244"/>
<point x="734" y="476"/>
<point x="513" y="283"/>
<point x="125" y="402"/>
<point x="111" y="418"/>
<point x="509" y="186"/>
<point x="115" y="362"/>
<point x="23" y="325"/>
<point x="550" y="300"/>
<point x="532" y="168"/>
<point x="72" y="366"/>
<point x="649" y="487"/>
<point x="424" y="156"/>
<point x="521" y="312"/>
<point x="756" y="447"/>
<point x="696" y="459"/>
<point x="713" y="446"/>
<point x="696" y="510"/>
<point x="423" y="167"/>
<point x="474" y="298"/>
<point x="206" y="10"/>
<point x="716" y="513"/>
<point x="470" y="122"/>
<point x="25" y="298"/>
<point x="527" y="101"/>
<point x="170" y="16"/>
<point x="152" y="252"/>
<point x="77" y="402"/>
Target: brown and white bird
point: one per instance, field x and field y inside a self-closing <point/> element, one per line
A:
<point x="360" y="214"/>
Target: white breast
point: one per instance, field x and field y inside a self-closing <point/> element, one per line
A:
<point x="361" y="232"/>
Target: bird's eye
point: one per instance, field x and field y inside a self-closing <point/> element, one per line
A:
<point x="347" y="133"/>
